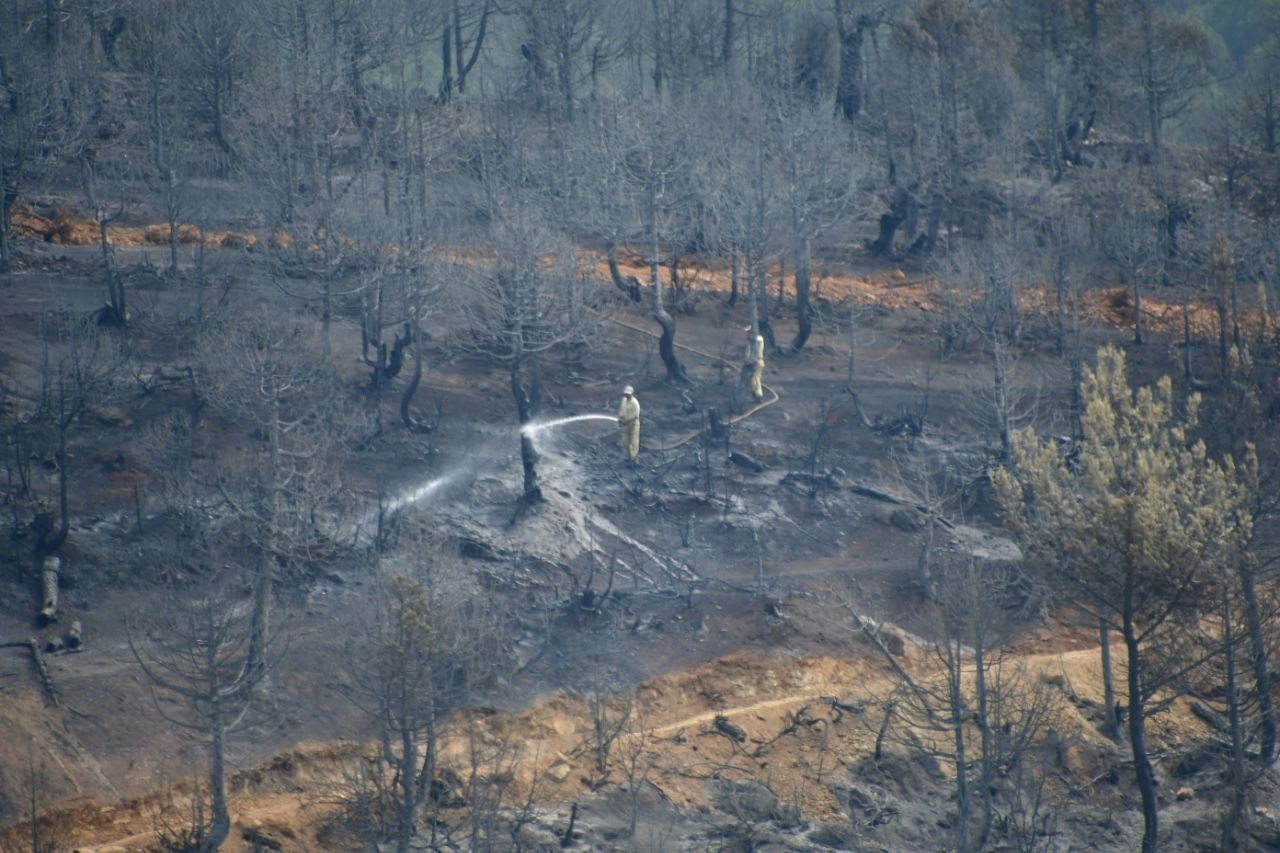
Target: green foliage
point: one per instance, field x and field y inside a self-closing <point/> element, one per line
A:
<point x="1144" y="516"/>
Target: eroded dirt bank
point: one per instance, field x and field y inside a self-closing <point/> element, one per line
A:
<point x="798" y="734"/>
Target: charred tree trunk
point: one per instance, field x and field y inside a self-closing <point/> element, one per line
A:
<point x="883" y="245"/>
<point x="1186" y="340"/>
<point x="1137" y="312"/>
<point x="115" y="312"/>
<point x="742" y="392"/>
<point x="628" y="285"/>
<point x="890" y="221"/>
<point x="8" y="192"/>
<point x="172" y="211"/>
<point x="988" y="778"/>
<point x="1233" y="815"/>
<point x="407" y="765"/>
<point x="463" y="65"/>
<point x="735" y="273"/>
<point x="411" y="389"/>
<point x="47" y="543"/>
<point x="957" y="702"/>
<point x="849" y="82"/>
<point x="525" y="410"/>
<point x="1110" y="725"/>
<point x="220" y="820"/>
<point x="667" y="342"/>
<point x="660" y="47"/>
<point x="49" y="590"/>
<point x="1000" y="401"/>
<point x="1222" y="265"/>
<point x="395" y="361"/>
<point x="219" y="129"/>
<point x="446" y="64"/>
<point x="1261" y="666"/>
<point x="430" y="740"/>
<point x="1060" y="282"/>
<point x="929" y="240"/>
<point x="804" y="322"/>
<point x="269" y="533"/>
<point x="924" y="568"/>
<point x="1138" y="737"/>
<point x="1152" y="95"/>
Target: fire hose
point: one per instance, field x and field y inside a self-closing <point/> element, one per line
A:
<point x="735" y="419"/>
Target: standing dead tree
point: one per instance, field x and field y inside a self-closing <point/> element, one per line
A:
<point x="280" y="489"/>
<point x="820" y="171"/>
<point x="969" y="704"/>
<point x="434" y="641"/>
<point x="77" y="368"/>
<point x="610" y="715"/>
<point x="398" y="295"/>
<point x="522" y="305"/>
<point x="198" y="653"/>
<point x="1131" y="242"/>
<point x="114" y="312"/>
<point x="655" y="170"/>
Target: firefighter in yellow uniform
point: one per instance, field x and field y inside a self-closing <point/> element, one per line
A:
<point x="629" y="418"/>
<point x="755" y="357"/>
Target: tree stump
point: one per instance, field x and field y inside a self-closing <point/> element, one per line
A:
<point x="49" y="585"/>
<point x="719" y="429"/>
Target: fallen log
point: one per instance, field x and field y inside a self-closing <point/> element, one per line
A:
<point x="881" y="495"/>
<point x="723" y="726"/>
<point x="42" y="669"/>
<point x="742" y="460"/>
<point x="49" y="585"/>
<point x="811" y="481"/>
<point x="1208" y="715"/>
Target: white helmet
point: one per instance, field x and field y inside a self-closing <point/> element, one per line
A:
<point x="628" y="391"/>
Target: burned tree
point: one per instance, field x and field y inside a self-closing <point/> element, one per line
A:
<point x="969" y="703"/>
<point x="397" y="295"/>
<point x="197" y="660"/>
<point x="521" y="307"/>
<point x="433" y="643"/>
<point x="657" y="179"/>
<point x="284" y="480"/>
<point x="818" y="184"/>
<point x="77" y="369"/>
<point x="855" y="19"/>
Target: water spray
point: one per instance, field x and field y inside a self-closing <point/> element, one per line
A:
<point x="418" y="494"/>
<point x="429" y="490"/>
<point x="535" y="427"/>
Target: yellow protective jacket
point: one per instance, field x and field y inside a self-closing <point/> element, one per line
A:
<point x="629" y="411"/>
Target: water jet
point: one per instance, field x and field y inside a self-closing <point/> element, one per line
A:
<point x="534" y="427"/>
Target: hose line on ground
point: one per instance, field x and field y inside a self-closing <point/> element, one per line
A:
<point x="691" y="436"/>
